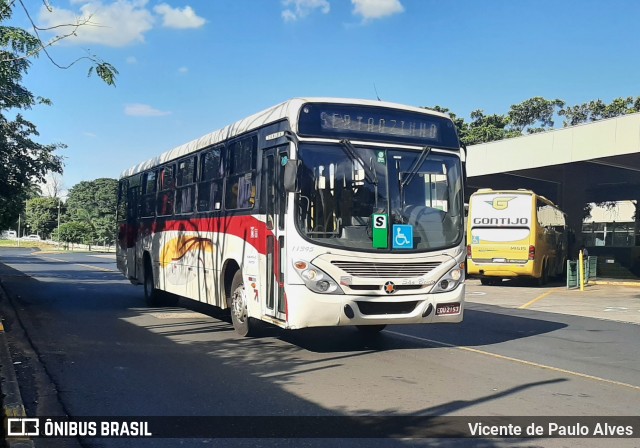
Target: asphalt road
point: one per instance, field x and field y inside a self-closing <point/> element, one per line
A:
<point x="90" y="347"/>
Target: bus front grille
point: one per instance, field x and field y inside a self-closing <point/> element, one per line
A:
<point x="386" y="270"/>
<point x="380" y="308"/>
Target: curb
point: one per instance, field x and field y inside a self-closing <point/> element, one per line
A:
<point x="12" y="405"/>
<point x="615" y="283"/>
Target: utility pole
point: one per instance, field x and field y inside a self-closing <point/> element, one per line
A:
<point x="58" y="223"/>
<point x="19" y="216"/>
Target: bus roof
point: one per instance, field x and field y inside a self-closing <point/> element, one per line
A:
<point x="518" y="191"/>
<point x="289" y="109"/>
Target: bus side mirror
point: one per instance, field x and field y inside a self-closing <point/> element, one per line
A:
<point x="291" y="175"/>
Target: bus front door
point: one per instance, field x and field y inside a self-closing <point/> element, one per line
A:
<point x="274" y="200"/>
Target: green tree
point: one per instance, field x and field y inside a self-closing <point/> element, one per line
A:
<point x="94" y="204"/>
<point x="482" y="128"/>
<point x="72" y="232"/>
<point x="29" y="44"/>
<point x="42" y="215"/>
<point x="23" y="161"/>
<point x="534" y="115"/>
<point x="487" y="128"/>
<point x="461" y="126"/>
<point x="597" y="110"/>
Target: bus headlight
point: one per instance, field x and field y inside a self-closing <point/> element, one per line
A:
<point x="450" y="280"/>
<point x="316" y="279"/>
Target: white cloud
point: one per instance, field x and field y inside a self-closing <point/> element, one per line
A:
<point x="115" y="23"/>
<point x="376" y="9"/>
<point x="179" y="18"/>
<point x="89" y="134"/>
<point x="302" y="8"/>
<point x="183" y="70"/>
<point x="132" y="60"/>
<point x="143" y="110"/>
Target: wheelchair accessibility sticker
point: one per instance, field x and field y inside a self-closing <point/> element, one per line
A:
<point x="402" y="236"/>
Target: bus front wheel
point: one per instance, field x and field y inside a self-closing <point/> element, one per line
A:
<point x="238" y="305"/>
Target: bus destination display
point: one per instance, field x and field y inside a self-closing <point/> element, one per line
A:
<point x="386" y="124"/>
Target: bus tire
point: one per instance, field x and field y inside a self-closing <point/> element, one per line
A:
<point x="242" y="323"/>
<point x="544" y="275"/>
<point x="371" y="330"/>
<point x="152" y="295"/>
<point x="490" y="281"/>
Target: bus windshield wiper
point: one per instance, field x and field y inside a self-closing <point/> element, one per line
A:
<point x="371" y="176"/>
<point x="415" y="167"/>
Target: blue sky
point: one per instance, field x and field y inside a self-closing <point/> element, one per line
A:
<point x="190" y="67"/>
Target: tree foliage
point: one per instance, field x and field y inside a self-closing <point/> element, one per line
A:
<point x="598" y="110"/>
<point x="42" y="215"/>
<point x="93" y="203"/>
<point x="29" y="44"/>
<point x="24" y="162"/>
<point x="536" y="114"/>
<point x="73" y="232"/>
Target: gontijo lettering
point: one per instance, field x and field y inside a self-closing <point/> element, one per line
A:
<point x="508" y="221"/>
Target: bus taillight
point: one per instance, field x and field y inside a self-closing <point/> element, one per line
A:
<point x="468" y="250"/>
<point x="532" y="252"/>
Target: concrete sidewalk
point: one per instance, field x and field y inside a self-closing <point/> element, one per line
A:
<point x="11" y="399"/>
<point x="607" y="299"/>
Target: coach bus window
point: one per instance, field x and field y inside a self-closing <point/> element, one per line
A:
<point x="149" y="194"/>
<point x="167" y="191"/>
<point x="185" y="178"/>
<point x="211" y="177"/>
<point x="241" y="184"/>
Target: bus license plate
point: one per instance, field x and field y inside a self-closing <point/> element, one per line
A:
<point x="444" y="309"/>
<point x="499" y="260"/>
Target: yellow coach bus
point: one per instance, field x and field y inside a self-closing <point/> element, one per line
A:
<point x="515" y="233"/>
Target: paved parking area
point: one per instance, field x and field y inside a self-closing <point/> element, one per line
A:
<point x="608" y="301"/>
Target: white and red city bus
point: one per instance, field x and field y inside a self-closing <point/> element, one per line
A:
<point x="315" y="212"/>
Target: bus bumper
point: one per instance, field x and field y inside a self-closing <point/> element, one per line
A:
<point x="503" y="270"/>
<point x="306" y="309"/>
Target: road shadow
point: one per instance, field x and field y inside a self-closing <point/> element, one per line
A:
<point x="107" y="354"/>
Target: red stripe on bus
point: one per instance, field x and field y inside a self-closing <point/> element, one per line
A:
<point x="250" y="229"/>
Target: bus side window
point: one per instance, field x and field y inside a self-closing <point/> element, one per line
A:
<point x="211" y="180"/>
<point x="166" y="195"/>
<point x="241" y="183"/>
<point x="123" y="201"/>
<point x="185" y="181"/>
<point x="149" y="185"/>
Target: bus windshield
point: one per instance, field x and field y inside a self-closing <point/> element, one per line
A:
<point x="341" y="188"/>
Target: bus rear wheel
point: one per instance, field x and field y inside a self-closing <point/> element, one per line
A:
<point x="544" y="275"/>
<point x="490" y="281"/>
<point x="238" y="305"/>
<point x="152" y="295"/>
